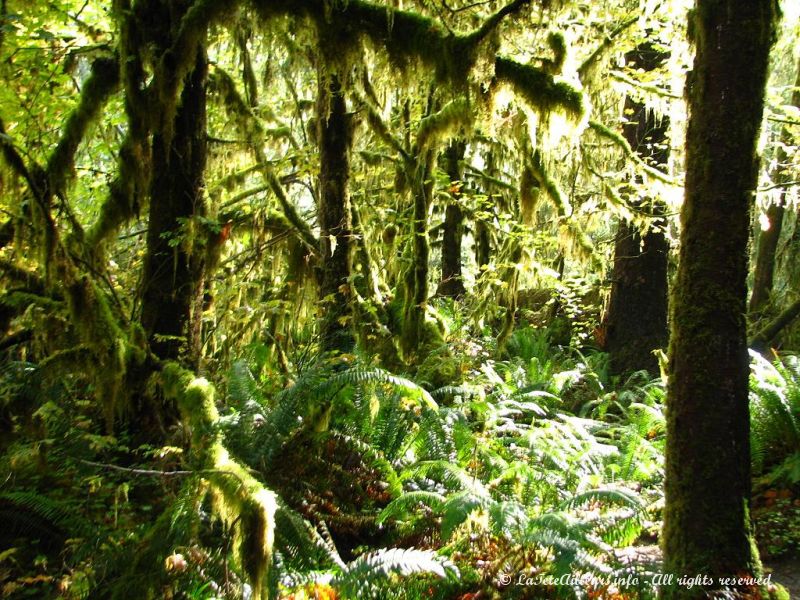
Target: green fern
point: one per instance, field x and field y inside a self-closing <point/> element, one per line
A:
<point x="774" y="409"/>
<point x="30" y="513"/>
<point x="374" y="575"/>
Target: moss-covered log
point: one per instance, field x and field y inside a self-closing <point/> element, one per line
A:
<point x="706" y="520"/>
<point x="241" y="500"/>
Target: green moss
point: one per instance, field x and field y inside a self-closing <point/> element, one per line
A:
<point x="240" y="500"/>
<point x="536" y="167"/>
<point x="99" y="330"/>
<point x="178" y="61"/>
<point x="445" y="123"/>
<point x="620" y="141"/>
<point x="223" y="84"/>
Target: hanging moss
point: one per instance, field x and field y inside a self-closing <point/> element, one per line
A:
<point x="528" y="195"/>
<point x="178" y="60"/>
<point x="99" y="330"/>
<point x="535" y="165"/>
<point x="620" y="141"/>
<point x="251" y="127"/>
<point x="443" y="124"/>
<point x="241" y="501"/>
<point x="539" y="89"/>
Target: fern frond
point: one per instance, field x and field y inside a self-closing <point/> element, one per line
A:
<point x="409" y="502"/>
<point x="371" y="575"/>
<point x="458" y="507"/>
<point x="375" y="459"/>
<point x="28" y="512"/>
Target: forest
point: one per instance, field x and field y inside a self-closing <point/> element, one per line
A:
<point x="401" y="299"/>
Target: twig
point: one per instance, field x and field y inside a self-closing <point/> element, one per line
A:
<point x="157" y="473"/>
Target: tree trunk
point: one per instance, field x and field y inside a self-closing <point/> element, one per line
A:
<point x="172" y="296"/>
<point x="636" y="320"/>
<point x="416" y="279"/>
<point x="483" y="243"/>
<point x="334" y="135"/>
<point x="768" y="240"/>
<point x="764" y="271"/>
<point x="707" y="487"/>
<point x="452" y="283"/>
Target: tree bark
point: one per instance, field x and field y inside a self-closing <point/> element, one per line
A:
<point x="707" y="488"/>
<point x="172" y="295"/>
<point x="452" y="283"/>
<point x="768" y="240"/>
<point x="636" y="320"/>
<point x="334" y="134"/>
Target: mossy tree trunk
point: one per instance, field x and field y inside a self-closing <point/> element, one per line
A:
<point x="452" y="283"/>
<point x="334" y="134"/>
<point x="764" y="272"/>
<point x="706" y="520"/>
<point x="416" y="280"/>
<point x="174" y="264"/>
<point x="636" y="320"/>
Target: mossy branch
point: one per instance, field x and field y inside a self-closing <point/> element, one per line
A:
<point x="241" y="500"/>
<point x="14" y="160"/>
<point x="98" y="88"/>
<point x="590" y="64"/>
<point x="380" y="128"/>
<point x="652" y="89"/>
<point x="179" y="59"/>
<point x="536" y="167"/>
<point x="620" y="141"/>
<point x="768" y="333"/>
<point x="539" y="89"/>
<point x="491" y="23"/>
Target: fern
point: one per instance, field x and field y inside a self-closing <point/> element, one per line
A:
<point x="400" y="507"/>
<point x="29" y="513"/>
<point x="374" y="575"/>
<point x="775" y="410"/>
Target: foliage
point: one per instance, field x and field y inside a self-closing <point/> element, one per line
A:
<point x="775" y="410"/>
<point x="460" y="440"/>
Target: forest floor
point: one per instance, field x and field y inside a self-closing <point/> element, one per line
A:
<point x="786" y="572"/>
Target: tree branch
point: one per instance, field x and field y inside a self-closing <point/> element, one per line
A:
<point x="761" y="339"/>
<point x="253" y="130"/>
<point x="491" y="23"/>
<point x="620" y="141"/>
<point x="588" y="65"/>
